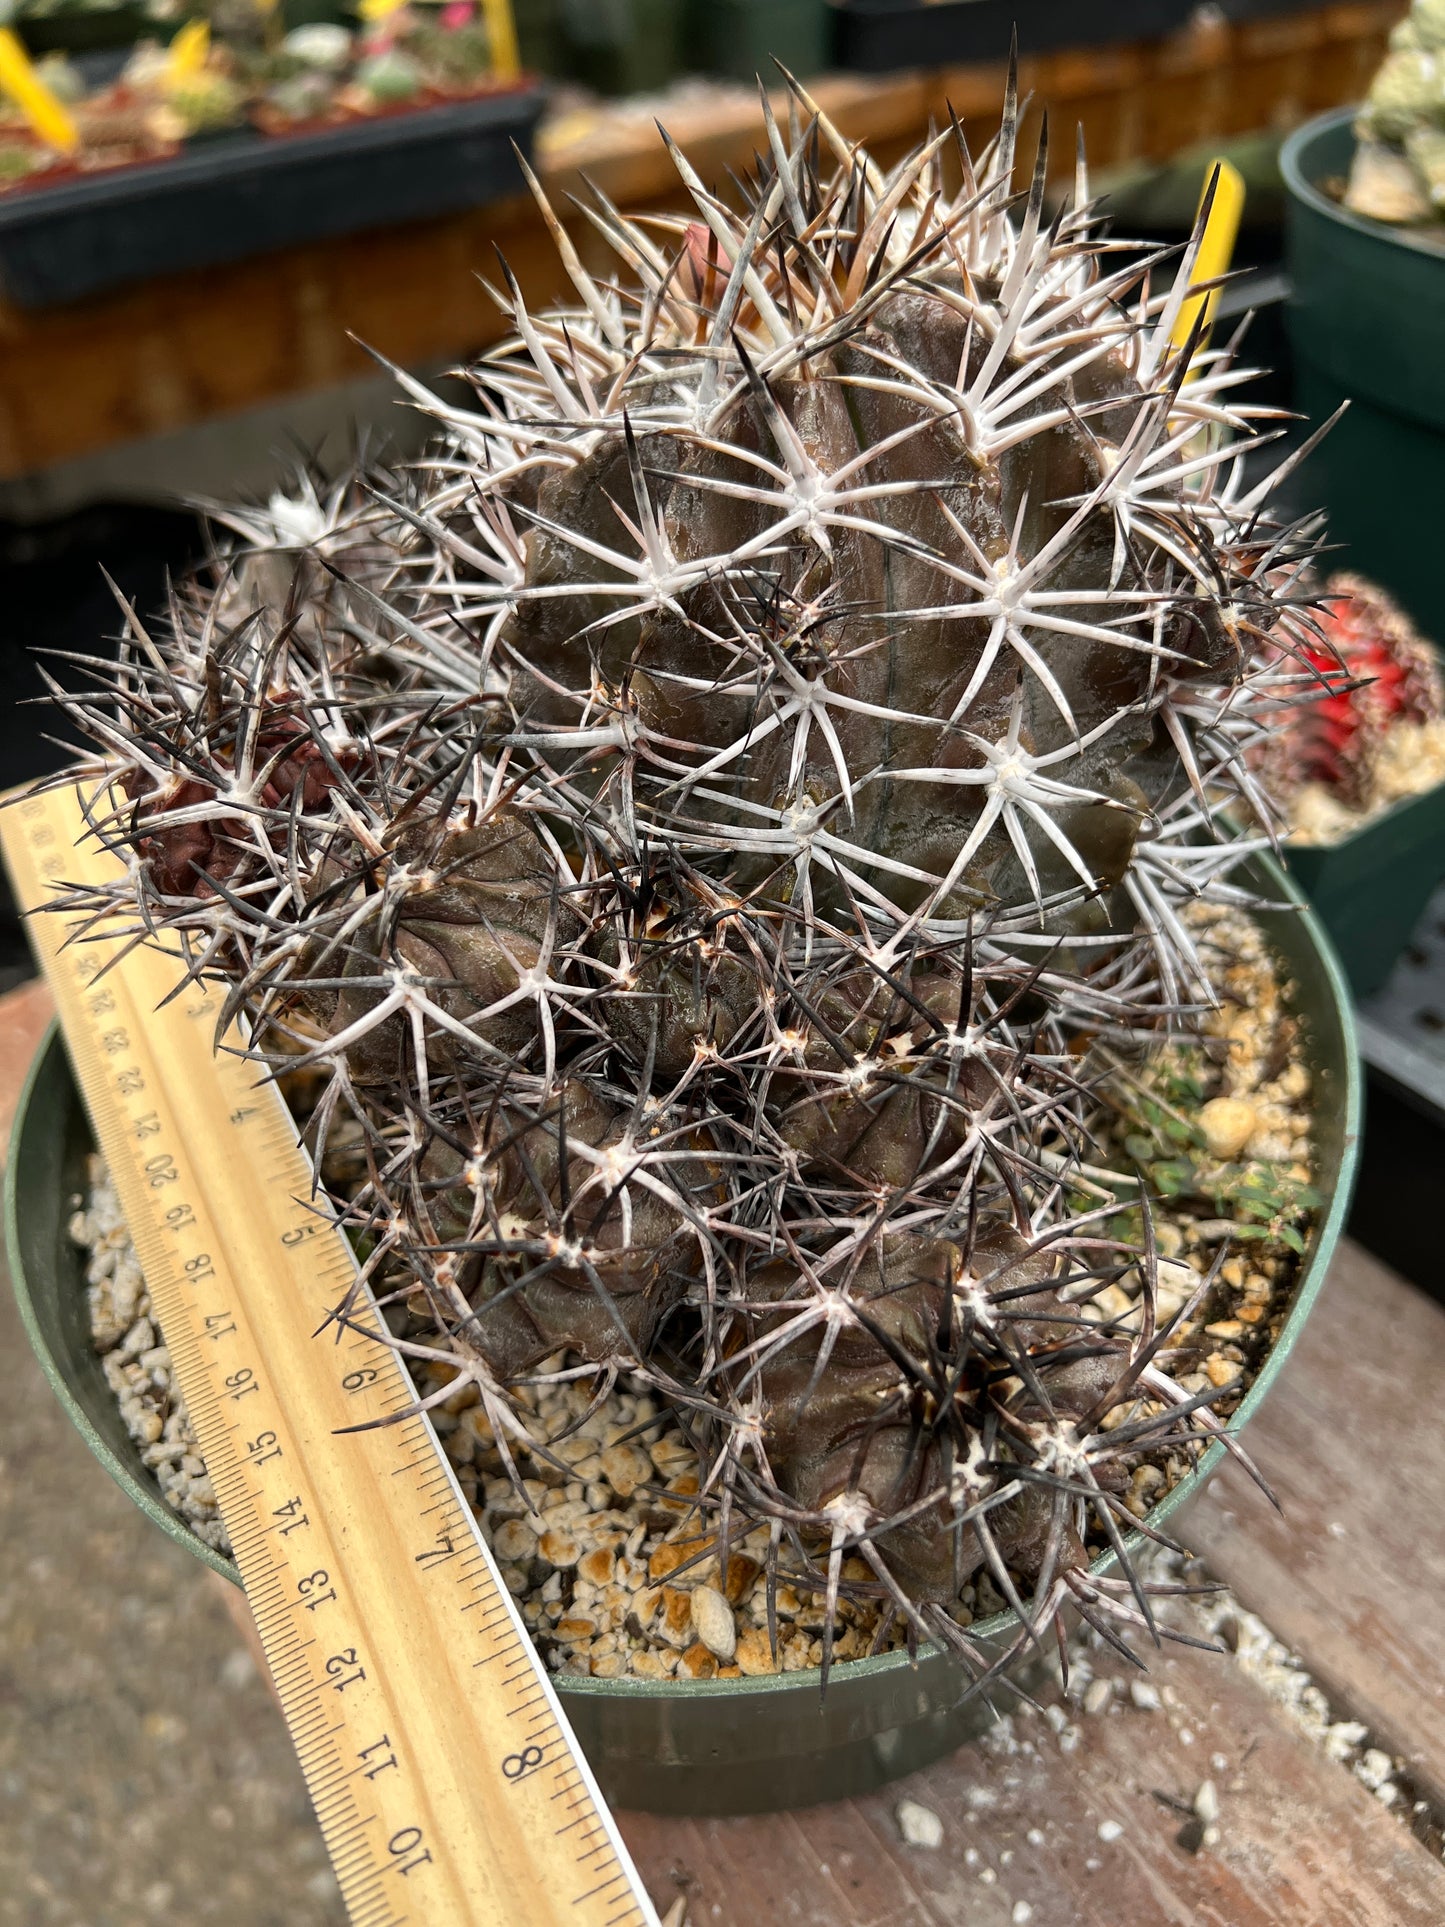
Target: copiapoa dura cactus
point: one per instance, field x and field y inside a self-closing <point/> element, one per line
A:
<point x="702" y="818"/>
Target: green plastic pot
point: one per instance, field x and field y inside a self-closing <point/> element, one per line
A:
<point x="539" y="36"/>
<point x="1367" y="320"/>
<point x="622" y="46"/>
<point x="742" y="39"/>
<point x="1371" y="890"/>
<point x="705" y="1746"/>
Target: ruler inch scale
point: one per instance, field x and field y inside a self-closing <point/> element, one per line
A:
<point x="434" y="1748"/>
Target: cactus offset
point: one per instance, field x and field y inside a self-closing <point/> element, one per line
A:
<point x="697" y="818"/>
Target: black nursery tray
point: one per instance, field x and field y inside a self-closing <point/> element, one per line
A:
<point x="249" y="194"/>
<point x="876" y="36"/>
<point x="1402" y="1027"/>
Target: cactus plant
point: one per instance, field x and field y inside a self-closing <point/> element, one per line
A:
<point x="1382" y="673"/>
<point x="1398" y="173"/>
<point x="1377" y="731"/>
<point x="697" y="821"/>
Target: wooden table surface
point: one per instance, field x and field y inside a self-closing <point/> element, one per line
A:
<point x="1349" y="1576"/>
<point x="188" y="348"/>
<point x="1083" y="1828"/>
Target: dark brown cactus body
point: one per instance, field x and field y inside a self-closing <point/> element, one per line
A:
<point x="467" y="911"/>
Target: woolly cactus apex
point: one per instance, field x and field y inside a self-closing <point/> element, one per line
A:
<point x="701" y="818"/>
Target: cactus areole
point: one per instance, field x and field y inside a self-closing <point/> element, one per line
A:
<point x="699" y="823"/>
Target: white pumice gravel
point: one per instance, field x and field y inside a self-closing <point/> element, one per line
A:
<point x="918" y="1825"/>
<point x="1248" y="1642"/>
<point x="1098" y="1696"/>
<point x="137" y="1366"/>
<point x="712" y="1618"/>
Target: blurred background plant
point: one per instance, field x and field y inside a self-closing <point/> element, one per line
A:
<point x="1398" y="173"/>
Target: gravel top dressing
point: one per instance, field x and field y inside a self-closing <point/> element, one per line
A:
<point x="606" y="1540"/>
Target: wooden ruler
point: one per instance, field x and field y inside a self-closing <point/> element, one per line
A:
<point x="447" y="1783"/>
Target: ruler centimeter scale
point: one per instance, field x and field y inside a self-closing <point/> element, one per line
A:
<point x="448" y="1785"/>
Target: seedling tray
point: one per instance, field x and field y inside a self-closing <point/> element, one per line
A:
<point x="744" y="38"/>
<point x="224" y="200"/>
<point x="1402" y="1027"/>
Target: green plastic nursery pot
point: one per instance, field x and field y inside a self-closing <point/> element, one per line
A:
<point x="539" y="37"/>
<point x="622" y="46"/>
<point x="706" y="1746"/>
<point x="1370" y="891"/>
<point x="1366" y="322"/>
<point x="741" y="39"/>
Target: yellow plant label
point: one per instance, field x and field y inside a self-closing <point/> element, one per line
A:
<point x="45" y="114"/>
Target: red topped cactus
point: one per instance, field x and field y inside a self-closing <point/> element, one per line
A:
<point x="1379" y="674"/>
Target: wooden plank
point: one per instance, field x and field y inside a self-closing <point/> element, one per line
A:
<point x="1352" y="1574"/>
<point x="1352" y="1577"/>
<point x="1302" y="1844"/>
<point x="189" y="348"/>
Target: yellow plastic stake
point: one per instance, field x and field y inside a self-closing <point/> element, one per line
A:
<point x="374" y="10"/>
<point x="1216" y="250"/>
<point x="502" y="34"/>
<point x="188" y="52"/>
<point x="30" y="94"/>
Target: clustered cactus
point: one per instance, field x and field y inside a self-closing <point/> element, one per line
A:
<point x="1398" y="173"/>
<point x="695" y="821"/>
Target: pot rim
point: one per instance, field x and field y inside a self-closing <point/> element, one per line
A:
<point x="1304" y="189"/>
<point x="145" y="1492"/>
<point x="987" y="1632"/>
